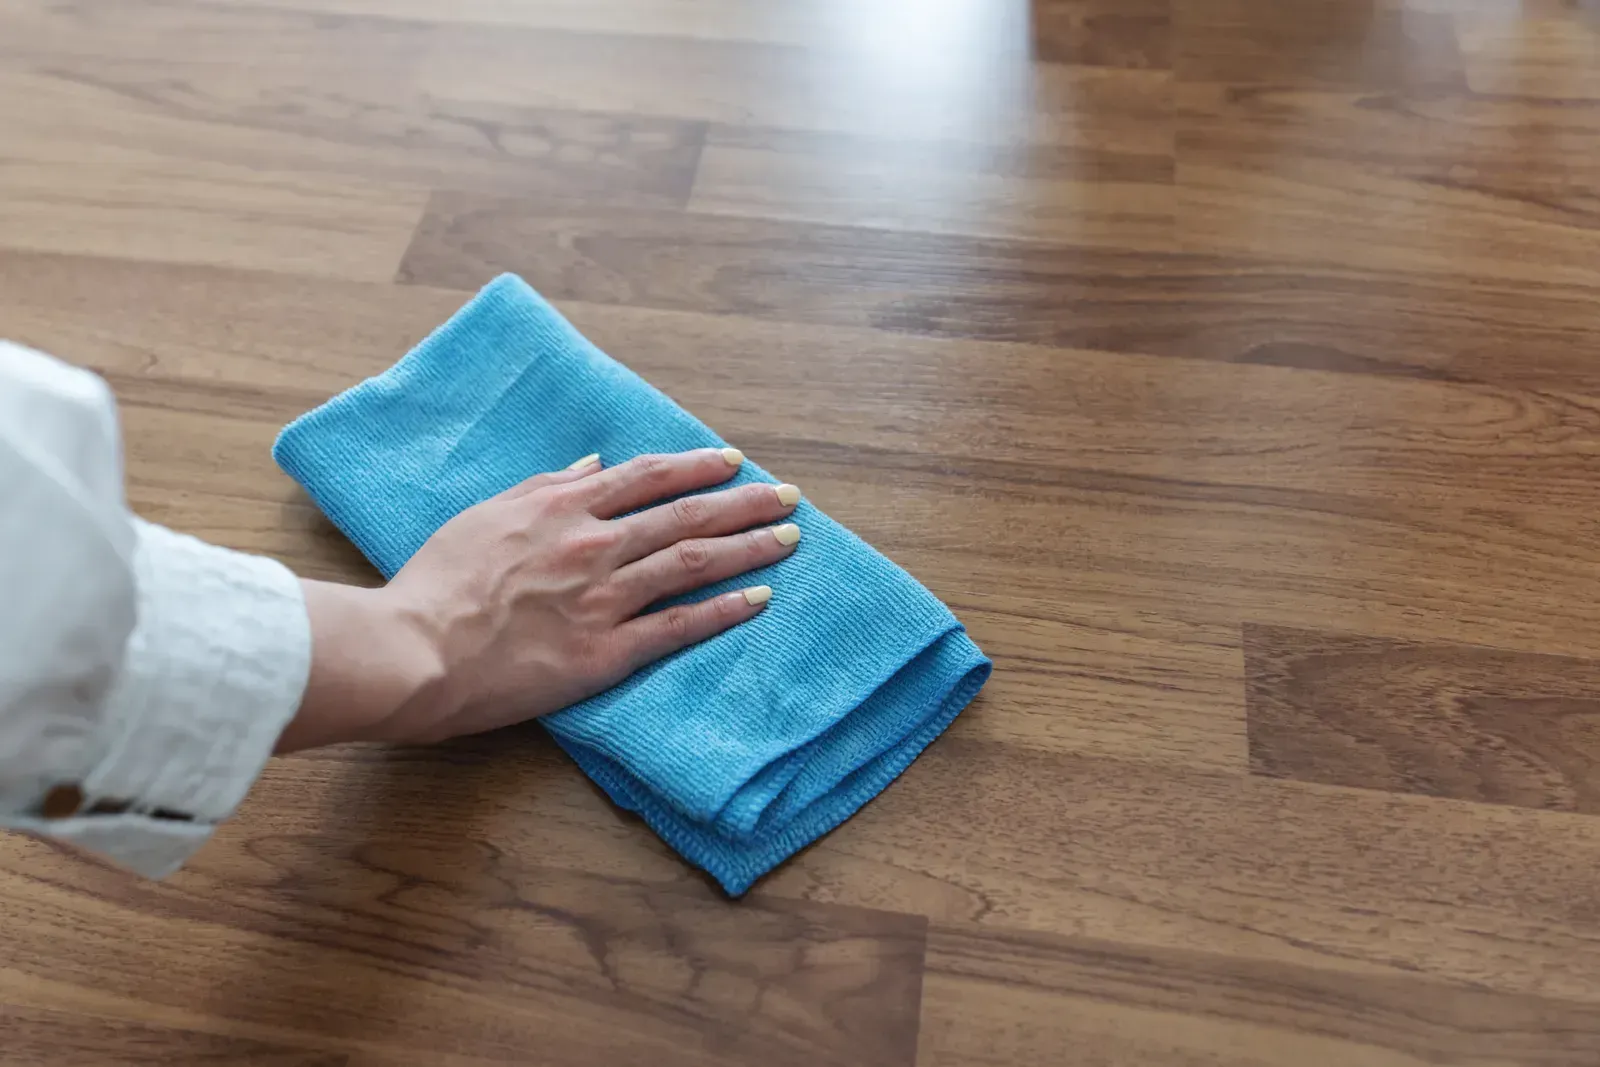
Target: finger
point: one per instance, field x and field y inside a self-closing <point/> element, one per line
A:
<point x="705" y="515"/>
<point x="661" y="633"/>
<point x="584" y="467"/>
<point x="689" y="565"/>
<point x="647" y="479"/>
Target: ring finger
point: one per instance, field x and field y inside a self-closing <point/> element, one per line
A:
<point x="705" y="515"/>
<point x="689" y="565"/>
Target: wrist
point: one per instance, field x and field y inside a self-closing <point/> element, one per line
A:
<point x="374" y="669"/>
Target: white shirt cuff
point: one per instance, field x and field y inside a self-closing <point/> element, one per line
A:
<point x="215" y="668"/>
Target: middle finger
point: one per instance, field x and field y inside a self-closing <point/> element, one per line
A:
<point x="692" y="564"/>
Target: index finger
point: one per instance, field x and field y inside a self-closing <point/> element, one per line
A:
<point x="647" y="479"/>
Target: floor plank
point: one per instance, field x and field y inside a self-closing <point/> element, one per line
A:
<point x="1002" y="997"/>
<point x="976" y="92"/>
<point x="1097" y="33"/>
<point x="1316" y="44"/>
<point x="825" y="23"/>
<point x="1112" y="190"/>
<point x="1441" y="720"/>
<point x="1201" y="304"/>
<point x="355" y="117"/>
<point x="168" y="211"/>
<point x="1549" y="54"/>
<point x="1354" y="881"/>
<point x="1394" y="213"/>
<point x="340" y="942"/>
<point x="44" y="1036"/>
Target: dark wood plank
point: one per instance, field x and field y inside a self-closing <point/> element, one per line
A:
<point x="1439" y="184"/>
<point x="1354" y="881"/>
<point x="1441" y="720"/>
<point x="1002" y="997"/>
<point x="336" y="941"/>
<point x="1195" y="305"/>
<point x="1103" y="33"/>
<point x="1316" y="44"/>
<point x="41" y="1037"/>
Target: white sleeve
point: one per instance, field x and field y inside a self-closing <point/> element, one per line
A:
<point x="144" y="675"/>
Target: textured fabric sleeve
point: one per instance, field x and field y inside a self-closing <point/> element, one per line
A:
<point x="144" y="675"/>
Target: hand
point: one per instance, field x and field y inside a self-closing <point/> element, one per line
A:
<point x="536" y="599"/>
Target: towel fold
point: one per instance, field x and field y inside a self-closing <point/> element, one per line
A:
<point x="739" y="751"/>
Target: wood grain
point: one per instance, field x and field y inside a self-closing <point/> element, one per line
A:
<point x="1097" y="33"/>
<point x="1354" y="881"/>
<point x="1228" y="367"/>
<point x="1549" y="55"/>
<point x="1193" y="304"/>
<point x="338" y="943"/>
<point x="1441" y="720"/>
<point x="218" y="215"/>
<point x="319" y="98"/>
<point x="1002" y="997"/>
<point x="36" y="1037"/>
<point x="1394" y="211"/>
<point x="981" y="89"/>
<point x="1107" y="196"/>
<point x="1316" y="44"/>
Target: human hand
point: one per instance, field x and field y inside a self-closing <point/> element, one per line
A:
<point x="536" y="599"/>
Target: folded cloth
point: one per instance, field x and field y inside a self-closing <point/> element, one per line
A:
<point x="739" y="751"/>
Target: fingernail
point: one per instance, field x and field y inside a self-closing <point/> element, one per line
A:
<point x="788" y="495"/>
<point x="733" y="456"/>
<point x="587" y="461"/>
<point x="757" y="595"/>
<point x="787" y="534"/>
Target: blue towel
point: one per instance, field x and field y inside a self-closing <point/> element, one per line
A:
<point x="740" y="751"/>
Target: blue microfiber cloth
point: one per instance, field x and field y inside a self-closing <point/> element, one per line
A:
<point x="739" y="751"/>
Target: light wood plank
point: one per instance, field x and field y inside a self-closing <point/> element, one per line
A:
<point x="356" y="117"/>
<point x="186" y="212"/>
<point x="1089" y="196"/>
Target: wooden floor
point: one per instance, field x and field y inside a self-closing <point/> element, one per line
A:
<point x="1232" y="367"/>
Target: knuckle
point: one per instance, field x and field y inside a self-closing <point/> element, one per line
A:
<point x="596" y="656"/>
<point x="540" y="503"/>
<point x="600" y="605"/>
<point x="592" y="542"/>
<point x="654" y="470"/>
<point x="693" y="556"/>
<point x="675" y="624"/>
<point x="691" y="511"/>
